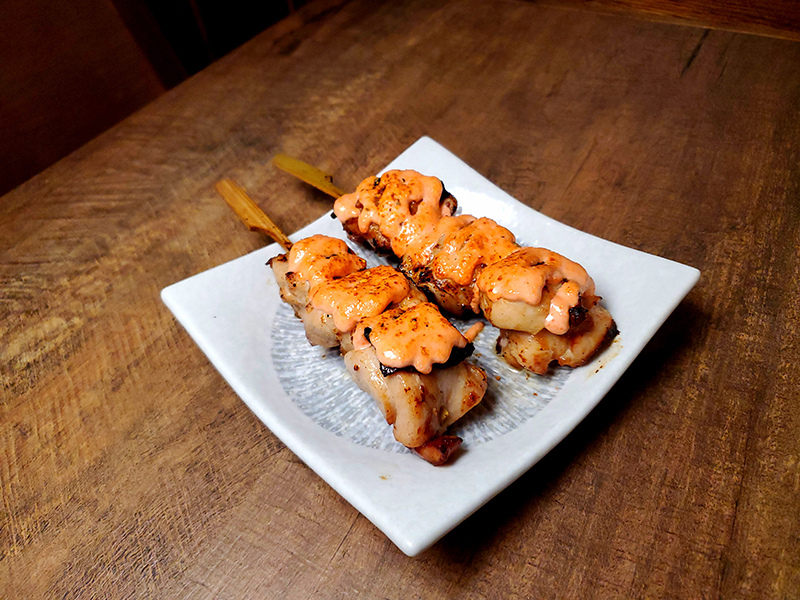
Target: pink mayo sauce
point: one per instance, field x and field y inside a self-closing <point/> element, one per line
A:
<point x="420" y="252"/>
<point x="359" y="295"/>
<point x="417" y="337"/>
<point x="405" y="206"/>
<point x="464" y="243"/>
<point x="457" y="248"/>
<point x="320" y="258"/>
<point x="523" y="275"/>
<point x="464" y="251"/>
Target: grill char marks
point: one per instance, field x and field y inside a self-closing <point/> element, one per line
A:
<point x="468" y="265"/>
<point x="332" y="293"/>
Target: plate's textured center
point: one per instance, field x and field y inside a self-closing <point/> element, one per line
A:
<point x="317" y="381"/>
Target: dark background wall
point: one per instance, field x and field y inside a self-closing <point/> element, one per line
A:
<point x="70" y="70"/>
<point x="201" y="31"/>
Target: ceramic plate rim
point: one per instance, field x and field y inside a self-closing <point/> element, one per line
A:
<point x="370" y="479"/>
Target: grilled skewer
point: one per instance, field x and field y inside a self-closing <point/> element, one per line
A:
<point x="543" y="303"/>
<point x="411" y="363"/>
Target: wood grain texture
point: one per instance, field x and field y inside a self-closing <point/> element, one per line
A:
<point x="70" y="70"/>
<point x="776" y="18"/>
<point x="128" y="468"/>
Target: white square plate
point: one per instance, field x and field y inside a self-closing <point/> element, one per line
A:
<point x="302" y="393"/>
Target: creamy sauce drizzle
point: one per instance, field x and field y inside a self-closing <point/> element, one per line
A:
<point x="454" y="248"/>
<point x="418" y="337"/>
<point x="471" y="333"/>
<point x="420" y="252"/>
<point x="405" y="206"/>
<point x="413" y="334"/>
<point x="320" y="258"/>
<point x="464" y="250"/>
<point x="359" y="295"/>
<point x="482" y="242"/>
<point x="523" y="275"/>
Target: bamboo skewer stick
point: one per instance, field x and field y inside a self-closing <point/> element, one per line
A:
<point x="249" y="212"/>
<point x="305" y="172"/>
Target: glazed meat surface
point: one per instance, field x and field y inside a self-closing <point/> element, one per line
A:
<point x="397" y="346"/>
<point x="474" y="265"/>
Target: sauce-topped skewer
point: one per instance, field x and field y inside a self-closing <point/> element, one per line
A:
<point x="413" y="365"/>
<point x="543" y="303"/>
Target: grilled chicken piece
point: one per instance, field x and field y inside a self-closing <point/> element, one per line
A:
<point x="535" y="351"/>
<point x="331" y="310"/>
<point x="422" y="384"/>
<point x="314" y="260"/>
<point x="448" y="265"/>
<point x="338" y="305"/>
<point x="393" y="210"/>
<point x="534" y="289"/>
<point x="410" y="360"/>
<point x="467" y="264"/>
<point x="419" y="406"/>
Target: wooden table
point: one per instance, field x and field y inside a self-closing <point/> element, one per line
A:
<point x="130" y="469"/>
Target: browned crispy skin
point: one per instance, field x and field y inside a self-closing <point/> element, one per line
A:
<point x="535" y="352"/>
<point x="451" y="297"/>
<point x="419" y="406"/>
<point x="373" y="237"/>
<point x="439" y="450"/>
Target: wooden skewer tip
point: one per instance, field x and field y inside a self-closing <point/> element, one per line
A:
<point x="249" y="212"/>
